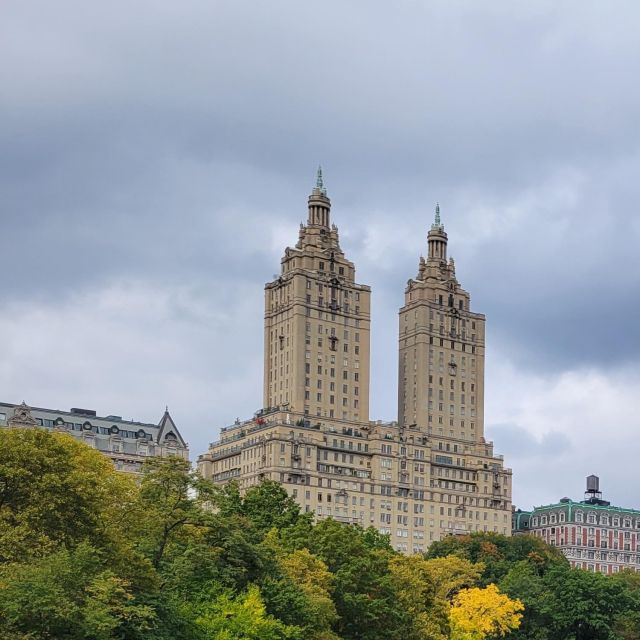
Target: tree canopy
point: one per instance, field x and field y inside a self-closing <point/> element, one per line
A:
<point x="88" y="552"/>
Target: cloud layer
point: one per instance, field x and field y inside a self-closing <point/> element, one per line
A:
<point x="155" y="161"/>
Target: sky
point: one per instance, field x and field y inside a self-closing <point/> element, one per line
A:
<point x="156" y="158"/>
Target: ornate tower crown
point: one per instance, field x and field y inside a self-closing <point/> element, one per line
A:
<point x="437" y="239"/>
<point x="319" y="204"/>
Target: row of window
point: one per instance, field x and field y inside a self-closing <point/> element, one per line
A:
<point x="87" y="426"/>
<point x="591" y="518"/>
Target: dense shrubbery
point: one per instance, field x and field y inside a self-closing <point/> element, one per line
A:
<point x="87" y="553"/>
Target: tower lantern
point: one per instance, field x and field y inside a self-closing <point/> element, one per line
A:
<point x="319" y="204"/>
<point x="437" y="239"/>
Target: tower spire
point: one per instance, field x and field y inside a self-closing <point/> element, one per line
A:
<point x="437" y="224"/>
<point x="320" y="182"/>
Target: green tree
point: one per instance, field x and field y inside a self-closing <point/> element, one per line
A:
<point x="527" y="585"/>
<point x="580" y="604"/>
<point x="365" y="593"/>
<point x="242" y="618"/>
<point x="266" y="506"/>
<point x="170" y="505"/>
<point x="313" y="578"/>
<point x="498" y="553"/>
<point x="627" y="623"/>
<point x="56" y="491"/>
<point x="69" y="595"/>
<point x="567" y="603"/>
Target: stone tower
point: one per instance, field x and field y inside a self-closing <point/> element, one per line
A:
<point x="441" y="348"/>
<point x="316" y="331"/>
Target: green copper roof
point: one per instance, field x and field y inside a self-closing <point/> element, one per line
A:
<point x="437" y="224"/>
<point x="586" y="506"/>
<point x="320" y="182"/>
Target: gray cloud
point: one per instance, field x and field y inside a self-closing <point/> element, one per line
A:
<point x="164" y="151"/>
<point x="517" y="443"/>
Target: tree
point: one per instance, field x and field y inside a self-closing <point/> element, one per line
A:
<point x="477" y="613"/>
<point x="69" y="595"/>
<point x="242" y="618"/>
<point x="56" y="491"/>
<point x="498" y="553"/>
<point x="312" y="576"/>
<point x="570" y="603"/>
<point x="425" y="588"/>
<point x="524" y="583"/>
<point x="449" y="575"/>
<point x="268" y="505"/>
<point x="364" y="594"/>
<point x="580" y="604"/>
<point x="417" y="594"/>
<point x="627" y="623"/>
<point x="171" y="498"/>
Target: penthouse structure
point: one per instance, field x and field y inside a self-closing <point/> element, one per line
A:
<point x="430" y="473"/>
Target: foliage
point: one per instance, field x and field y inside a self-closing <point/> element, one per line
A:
<point x="498" y="553"/>
<point x="364" y="594"/>
<point x="417" y="594"/>
<point x="480" y="613"/>
<point x="316" y="582"/>
<point x="69" y="594"/>
<point x="571" y="603"/>
<point x="171" y="497"/>
<point x="87" y="552"/>
<point x="242" y="618"/>
<point x="56" y="491"/>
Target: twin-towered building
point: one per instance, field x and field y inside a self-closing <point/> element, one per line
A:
<point x="428" y="474"/>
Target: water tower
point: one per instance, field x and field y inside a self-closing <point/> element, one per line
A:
<point x="593" y="495"/>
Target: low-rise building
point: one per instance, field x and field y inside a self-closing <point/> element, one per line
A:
<point x="592" y="534"/>
<point x="126" y="442"/>
<point x="412" y="486"/>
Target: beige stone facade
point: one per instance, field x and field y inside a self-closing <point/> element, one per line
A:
<point x="427" y="475"/>
<point x="316" y="331"/>
<point x="441" y="347"/>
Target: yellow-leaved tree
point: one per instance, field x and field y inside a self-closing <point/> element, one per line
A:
<point x="478" y="613"/>
<point x="424" y="588"/>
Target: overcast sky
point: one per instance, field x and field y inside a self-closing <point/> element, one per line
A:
<point x="156" y="157"/>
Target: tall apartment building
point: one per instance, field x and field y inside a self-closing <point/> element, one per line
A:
<point x="427" y="475"/>
<point x="126" y="442"/>
<point x="316" y="330"/>
<point x="592" y="534"/>
<point x="441" y="368"/>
